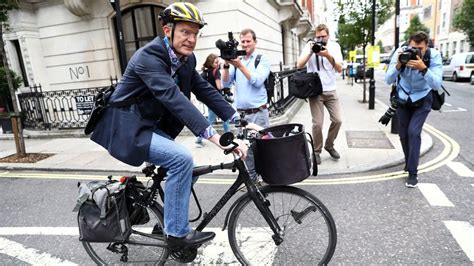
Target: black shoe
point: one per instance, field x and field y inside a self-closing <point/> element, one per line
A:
<point x="318" y="159"/>
<point x="194" y="238"/>
<point x="334" y="154"/>
<point x="412" y="181"/>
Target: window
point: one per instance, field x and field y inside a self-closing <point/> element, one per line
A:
<point x="454" y="47"/>
<point x="140" y="25"/>
<point x="443" y="23"/>
<point x="470" y="59"/>
<point x="461" y="49"/>
<point x="427" y="13"/>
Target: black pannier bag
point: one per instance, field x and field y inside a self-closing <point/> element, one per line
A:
<point x="305" y="85"/>
<point x="111" y="224"/>
<point x="138" y="214"/>
<point x="284" y="157"/>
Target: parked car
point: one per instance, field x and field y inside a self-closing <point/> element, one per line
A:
<point x="459" y="66"/>
<point x="369" y="72"/>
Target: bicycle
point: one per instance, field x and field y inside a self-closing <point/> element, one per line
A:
<point x="282" y="225"/>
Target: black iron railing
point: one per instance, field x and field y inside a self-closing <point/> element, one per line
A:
<point x="68" y="109"/>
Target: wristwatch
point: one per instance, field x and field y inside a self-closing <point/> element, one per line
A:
<point x="423" y="72"/>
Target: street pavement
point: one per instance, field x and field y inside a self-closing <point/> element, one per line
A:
<point x="364" y="144"/>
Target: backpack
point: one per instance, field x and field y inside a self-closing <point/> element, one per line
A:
<point x="269" y="82"/>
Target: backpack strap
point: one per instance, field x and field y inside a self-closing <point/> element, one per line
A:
<point x="257" y="60"/>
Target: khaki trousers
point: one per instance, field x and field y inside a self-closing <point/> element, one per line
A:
<point x="316" y="105"/>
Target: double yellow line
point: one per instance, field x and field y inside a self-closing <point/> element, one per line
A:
<point x="449" y="152"/>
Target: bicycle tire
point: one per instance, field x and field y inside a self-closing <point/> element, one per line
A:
<point x="313" y="241"/>
<point x="137" y="254"/>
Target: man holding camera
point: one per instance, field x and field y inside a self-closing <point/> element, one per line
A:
<point x="412" y="99"/>
<point x="250" y="91"/>
<point x="324" y="57"/>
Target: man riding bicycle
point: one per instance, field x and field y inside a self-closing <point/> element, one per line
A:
<point x="156" y="86"/>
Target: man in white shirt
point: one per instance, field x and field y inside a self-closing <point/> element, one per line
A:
<point x="324" y="57"/>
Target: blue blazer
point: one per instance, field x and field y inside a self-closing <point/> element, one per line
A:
<point x="126" y="131"/>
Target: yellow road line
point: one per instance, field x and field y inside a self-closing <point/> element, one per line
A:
<point x="450" y="151"/>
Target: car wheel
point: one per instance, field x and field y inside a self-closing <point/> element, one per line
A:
<point x="472" y="78"/>
<point x="455" y="77"/>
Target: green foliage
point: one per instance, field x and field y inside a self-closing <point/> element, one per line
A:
<point x="5" y="98"/>
<point x="415" y="25"/>
<point x="5" y="7"/>
<point x="355" y="21"/>
<point x="464" y="19"/>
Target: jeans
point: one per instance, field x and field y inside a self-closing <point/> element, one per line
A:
<point x="410" y="124"/>
<point x="212" y="118"/>
<point x="173" y="156"/>
<point x="262" y="119"/>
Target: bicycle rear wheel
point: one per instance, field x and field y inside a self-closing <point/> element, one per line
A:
<point x="308" y="229"/>
<point x="138" y="254"/>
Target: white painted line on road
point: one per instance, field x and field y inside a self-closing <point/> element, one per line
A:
<point x="448" y="104"/>
<point x="47" y="231"/>
<point x="454" y="110"/>
<point x="29" y="255"/>
<point x="463" y="232"/>
<point x="460" y="169"/>
<point x="434" y="195"/>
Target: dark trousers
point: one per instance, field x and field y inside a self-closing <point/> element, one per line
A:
<point x="410" y="124"/>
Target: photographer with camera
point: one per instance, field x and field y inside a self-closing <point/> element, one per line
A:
<point x="323" y="56"/>
<point x="249" y="77"/>
<point x="412" y="99"/>
<point x="211" y="73"/>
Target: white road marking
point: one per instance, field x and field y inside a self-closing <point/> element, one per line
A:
<point x="460" y="169"/>
<point x="29" y="255"/>
<point x="448" y="104"/>
<point x="454" y="110"/>
<point x="434" y="195"/>
<point x="47" y="231"/>
<point x="218" y="251"/>
<point x="463" y="232"/>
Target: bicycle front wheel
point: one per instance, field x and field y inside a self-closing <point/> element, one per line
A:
<point x="308" y="229"/>
<point x="144" y="247"/>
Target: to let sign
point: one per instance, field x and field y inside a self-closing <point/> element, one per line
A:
<point x="85" y="104"/>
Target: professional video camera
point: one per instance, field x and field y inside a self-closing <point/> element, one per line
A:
<point x="229" y="48"/>
<point x="394" y="103"/>
<point x="318" y="47"/>
<point x="408" y="53"/>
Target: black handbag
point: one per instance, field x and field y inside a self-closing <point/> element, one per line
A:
<point x="101" y="100"/>
<point x="114" y="226"/>
<point x="285" y="158"/>
<point x="438" y="98"/>
<point x="305" y="85"/>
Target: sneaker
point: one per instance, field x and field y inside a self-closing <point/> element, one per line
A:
<point x="318" y="159"/>
<point x="334" y="154"/>
<point x="412" y="182"/>
<point x="199" y="142"/>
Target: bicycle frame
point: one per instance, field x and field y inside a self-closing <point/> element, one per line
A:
<point x="242" y="178"/>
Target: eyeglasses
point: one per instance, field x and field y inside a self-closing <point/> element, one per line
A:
<point x="187" y="34"/>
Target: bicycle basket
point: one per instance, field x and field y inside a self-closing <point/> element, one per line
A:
<point x="284" y="158"/>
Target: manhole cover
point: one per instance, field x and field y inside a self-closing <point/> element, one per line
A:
<point x="368" y="139"/>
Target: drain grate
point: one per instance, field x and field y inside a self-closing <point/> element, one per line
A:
<point x="368" y="139"/>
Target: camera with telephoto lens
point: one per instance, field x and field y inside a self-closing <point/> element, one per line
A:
<point x="318" y="47"/>
<point x="229" y="48"/>
<point x="408" y="54"/>
<point x="228" y="95"/>
<point x="394" y="103"/>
